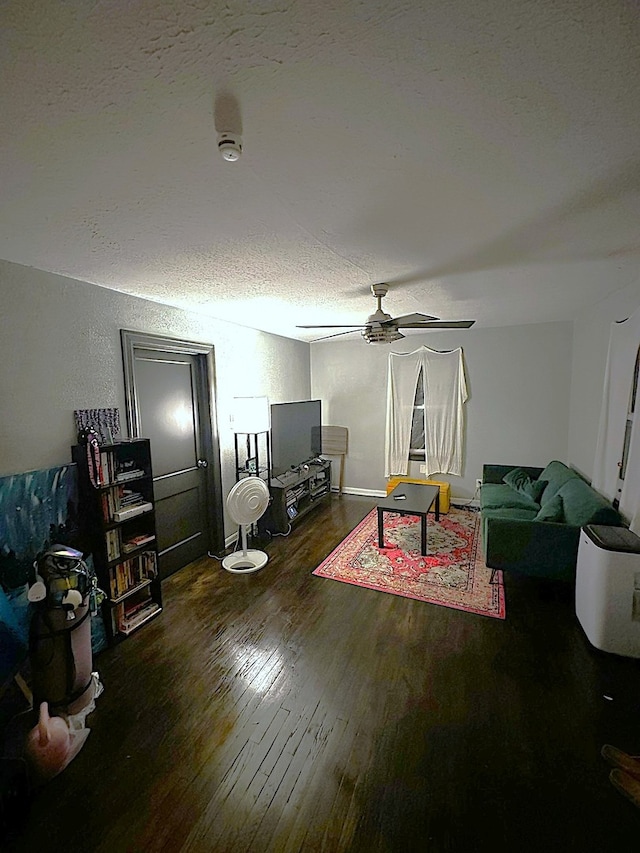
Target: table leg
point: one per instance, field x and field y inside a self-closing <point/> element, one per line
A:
<point x="438" y="506"/>
<point x="380" y="534"/>
<point x="423" y="535"/>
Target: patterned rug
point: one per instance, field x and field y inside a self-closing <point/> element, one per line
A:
<point x="453" y="573"/>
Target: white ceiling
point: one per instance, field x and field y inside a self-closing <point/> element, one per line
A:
<point x="482" y="156"/>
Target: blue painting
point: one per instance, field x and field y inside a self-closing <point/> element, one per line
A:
<point x="37" y="509"/>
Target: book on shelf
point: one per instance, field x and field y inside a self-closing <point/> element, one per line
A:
<point x="131" y="573"/>
<point x="112" y="541"/>
<point x="138" y="541"/>
<point x="128" y="620"/>
<point x="133" y="474"/>
<point x="112" y="471"/>
<point x="117" y="498"/>
<point x="128" y="469"/>
<point x="127" y="498"/>
<point x="132" y="511"/>
<point x="106" y="468"/>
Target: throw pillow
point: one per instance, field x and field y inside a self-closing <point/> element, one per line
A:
<point x="552" y="511"/>
<point x="521" y="482"/>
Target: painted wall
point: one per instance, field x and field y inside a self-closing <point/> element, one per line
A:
<point x="535" y="390"/>
<point x="518" y="379"/>
<point x="60" y="351"/>
<point x="590" y="346"/>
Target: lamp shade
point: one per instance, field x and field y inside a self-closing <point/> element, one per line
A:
<point x="250" y="414"/>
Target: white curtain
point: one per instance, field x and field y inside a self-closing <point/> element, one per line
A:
<point x="402" y="380"/>
<point x="624" y="341"/>
<point x="445" y="391"/>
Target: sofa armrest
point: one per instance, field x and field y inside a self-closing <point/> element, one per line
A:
<point x="495" y="473"/>
<point x="539" y="548"/>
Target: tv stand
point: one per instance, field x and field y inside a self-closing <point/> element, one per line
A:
<point x="296" y="492"/>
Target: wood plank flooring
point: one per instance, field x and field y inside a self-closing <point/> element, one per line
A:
<point x="282" y="712"/>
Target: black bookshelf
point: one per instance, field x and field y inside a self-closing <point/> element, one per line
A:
<point x="118" y="517"/>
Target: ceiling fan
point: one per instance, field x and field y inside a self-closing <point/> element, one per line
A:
<point x="382" y="328"/>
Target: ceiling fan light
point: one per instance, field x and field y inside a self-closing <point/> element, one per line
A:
<point x="382" y="328"/>
<point x="376" y="334"/>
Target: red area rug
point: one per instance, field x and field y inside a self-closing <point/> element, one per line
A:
<point x="453" y="573"/>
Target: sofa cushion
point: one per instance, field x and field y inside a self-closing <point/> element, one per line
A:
<point x="506" y="513"/>
<point x="553" y="510"/>
<point x="556" y="474"/>
<point x="498" y="495"/>
<point x="525" y="514"/>
<point x="521" y="482"/>
<point x="583" y="505"/>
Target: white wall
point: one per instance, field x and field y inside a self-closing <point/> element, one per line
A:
<point x="535" y="390"/>
<point x="60" y="351"/>
<point x="590" y="345"/>
<point x="517" y="413"/>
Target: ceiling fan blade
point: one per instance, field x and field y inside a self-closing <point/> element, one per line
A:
<point x="334" y="326"/>
<point x="411" y="318"/>
<point x="439" y="324"/>
<point x="326" y="337"/>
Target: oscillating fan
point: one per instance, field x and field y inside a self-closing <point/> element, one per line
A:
<point x="246" y="502"/>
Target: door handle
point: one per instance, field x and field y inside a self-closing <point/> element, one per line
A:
<point x="202" y="463"/>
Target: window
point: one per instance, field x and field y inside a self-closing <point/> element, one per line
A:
<point x="628" y="429"/>
<point x="416" y="447"/>
<point x="438" y="377"/>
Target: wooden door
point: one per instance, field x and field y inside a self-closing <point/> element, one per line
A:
<point x="169" y="388"/>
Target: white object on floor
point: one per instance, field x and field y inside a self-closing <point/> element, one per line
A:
<point x="246" y="503"/>
<point x="49" y="747"/>
<point x="608" y="588"/>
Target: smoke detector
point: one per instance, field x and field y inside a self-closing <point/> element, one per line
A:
<point x="230" y="146"/>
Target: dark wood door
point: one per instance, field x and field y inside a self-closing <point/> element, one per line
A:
<point x="169" y="401"/>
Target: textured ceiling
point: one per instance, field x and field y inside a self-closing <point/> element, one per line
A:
<point x="482" y="157"/>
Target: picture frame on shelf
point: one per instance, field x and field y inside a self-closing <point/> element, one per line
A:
<point x="104" y="422"/>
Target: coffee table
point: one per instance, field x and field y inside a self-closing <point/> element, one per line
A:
<point x="418" y="500"/>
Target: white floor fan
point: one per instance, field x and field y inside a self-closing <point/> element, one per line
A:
<point x="246" y="503"/>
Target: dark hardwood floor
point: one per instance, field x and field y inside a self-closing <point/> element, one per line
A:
<point x="283" y="712"/>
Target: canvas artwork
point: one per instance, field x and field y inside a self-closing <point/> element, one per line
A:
<point x="105" y="422"/>
<point x="37" y="509"/>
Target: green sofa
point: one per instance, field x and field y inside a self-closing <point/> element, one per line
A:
<point x="533" y="525"/>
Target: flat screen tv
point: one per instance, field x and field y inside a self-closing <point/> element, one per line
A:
<point x="296" y="434"/>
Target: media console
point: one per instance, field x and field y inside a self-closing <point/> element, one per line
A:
<point x="294" y="493"/>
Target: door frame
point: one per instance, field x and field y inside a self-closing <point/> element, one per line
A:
<point x="206" y="392"/>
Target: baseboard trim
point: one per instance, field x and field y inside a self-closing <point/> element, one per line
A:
<point x="466" y="502"/>
<point x="375" y="493"/>
<point x="364" y="493"/>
